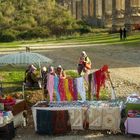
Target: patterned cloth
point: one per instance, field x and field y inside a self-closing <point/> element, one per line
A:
<point x="81" y="88"/>
<point x="44" y="122"/>
<point x="67" y="91"/>
<point x="62" y="89"/>
<point x="71" y="88"/>
<point x="95" y="118"/>
<point x="56" y="82"/>
<point x="111" y="118"/>
<point x="50" y="86"/>
<point x="75" y="90"/>
<point x="76" y="118"/>
<point x="61" y="122"/>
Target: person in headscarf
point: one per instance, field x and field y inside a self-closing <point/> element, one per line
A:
<point x="60" y="72"/>
<point x="84" y="64"/>
<point x="31" y="77"/>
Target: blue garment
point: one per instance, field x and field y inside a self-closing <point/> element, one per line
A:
<point x="56" y="83"/>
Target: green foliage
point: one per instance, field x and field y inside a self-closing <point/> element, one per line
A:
<point x="8" y="35"/>
<point x="35" y="18"/>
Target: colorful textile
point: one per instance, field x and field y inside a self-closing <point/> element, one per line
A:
<point x="56" y="83"/>
<point x="50" y="86"/>
<point x="95" y="118"/>
<point x="61" y="122"/>
<point x="75" y="90"/>
<point x="62" y="89"/>
<point x="81" y="88"/>
<point x="71" y="88"/>
<point x="44" y="122"/>
<point x="100" y="77"/>
<point x="76" y="118"/>
<point x="67" y="91"/>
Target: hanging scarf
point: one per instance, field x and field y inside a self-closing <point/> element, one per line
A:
<point x="71" y="88"/>
<point x="89" y="85"/>
<point x="50" y="86"/>
<point x="81" y="88"/>
<point x="56" y="83"/>
<point x="75" y="89"/>
<point x="62" y="89"/>
<point x="100" y="78"/>
<point x="67" y="91"/>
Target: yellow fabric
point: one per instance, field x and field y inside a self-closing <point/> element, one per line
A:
<point x="68" y="94"/>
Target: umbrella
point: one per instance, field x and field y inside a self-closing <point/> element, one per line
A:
<point x="24" y="58"/>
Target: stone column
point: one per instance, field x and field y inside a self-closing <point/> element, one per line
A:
<point x="114" y="15"/>
<point x="84" y="8"/>
<point x="78" y="10"/>
<point x="73" y="8"/>
<point x="128" y="17"/>
<point x="91" y="7"/>
<point x="103" y="12"/>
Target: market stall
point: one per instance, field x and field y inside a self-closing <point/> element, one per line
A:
<point x="76" y="115"/>
<point x="132" y="123"/>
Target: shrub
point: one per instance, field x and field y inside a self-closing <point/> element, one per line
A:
<point x="34" y="33"/>
<point x="8" y="35"/>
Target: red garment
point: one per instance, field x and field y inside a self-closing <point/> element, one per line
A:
<point x="62" y="90"/>
<point x="100" y="79"/>
<point x="71" y="88"/>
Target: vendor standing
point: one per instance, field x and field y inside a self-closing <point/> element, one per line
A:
<point x="84" y="63"/>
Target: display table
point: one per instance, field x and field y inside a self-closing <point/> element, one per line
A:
<point x="132" y="125"/>
<point x="100" y="117"/>
<point x="18" y="111"/>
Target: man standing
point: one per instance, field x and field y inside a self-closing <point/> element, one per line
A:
<point x="121" y="33"/>
<point x="124" y="34"/>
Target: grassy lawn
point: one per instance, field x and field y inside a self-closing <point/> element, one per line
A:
<point x="105" y="38"/>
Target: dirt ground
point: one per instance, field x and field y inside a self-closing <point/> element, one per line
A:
<point x="124" y="64"/>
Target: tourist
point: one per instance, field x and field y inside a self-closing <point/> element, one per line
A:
<point x="124" y="34"/>
<point x="60" y="72"/>
<point x="84" y="63"/>
<point x="121" y="33"/>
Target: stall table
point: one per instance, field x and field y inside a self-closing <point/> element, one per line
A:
<point x="96" y="117"/>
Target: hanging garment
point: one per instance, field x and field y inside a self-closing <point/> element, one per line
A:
<point x="50" y="86"/>
<point x="89" y="85"/>
<point x="56" y="83"/>
<point x="95" y="118"/>
<point x="44" y="121"/>
<point x="100" y="78"/>
<point x="62" y="89"/>
<point x="76" y="118"/>
<point x="68" y="94"/>
<point x="75" y="90"/>
<point x="81" y="88"/>
<point x="111" y="118"/>
<point x="71" y="88"/>
<point x="93" y="85"/>
<point x="61" y="122"/>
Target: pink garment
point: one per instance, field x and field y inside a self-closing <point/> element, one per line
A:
<point x="62" y="89"/>
<point x="50" y="86"/>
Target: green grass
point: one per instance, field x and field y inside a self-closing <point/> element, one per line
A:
<point x="99" y="38"/>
